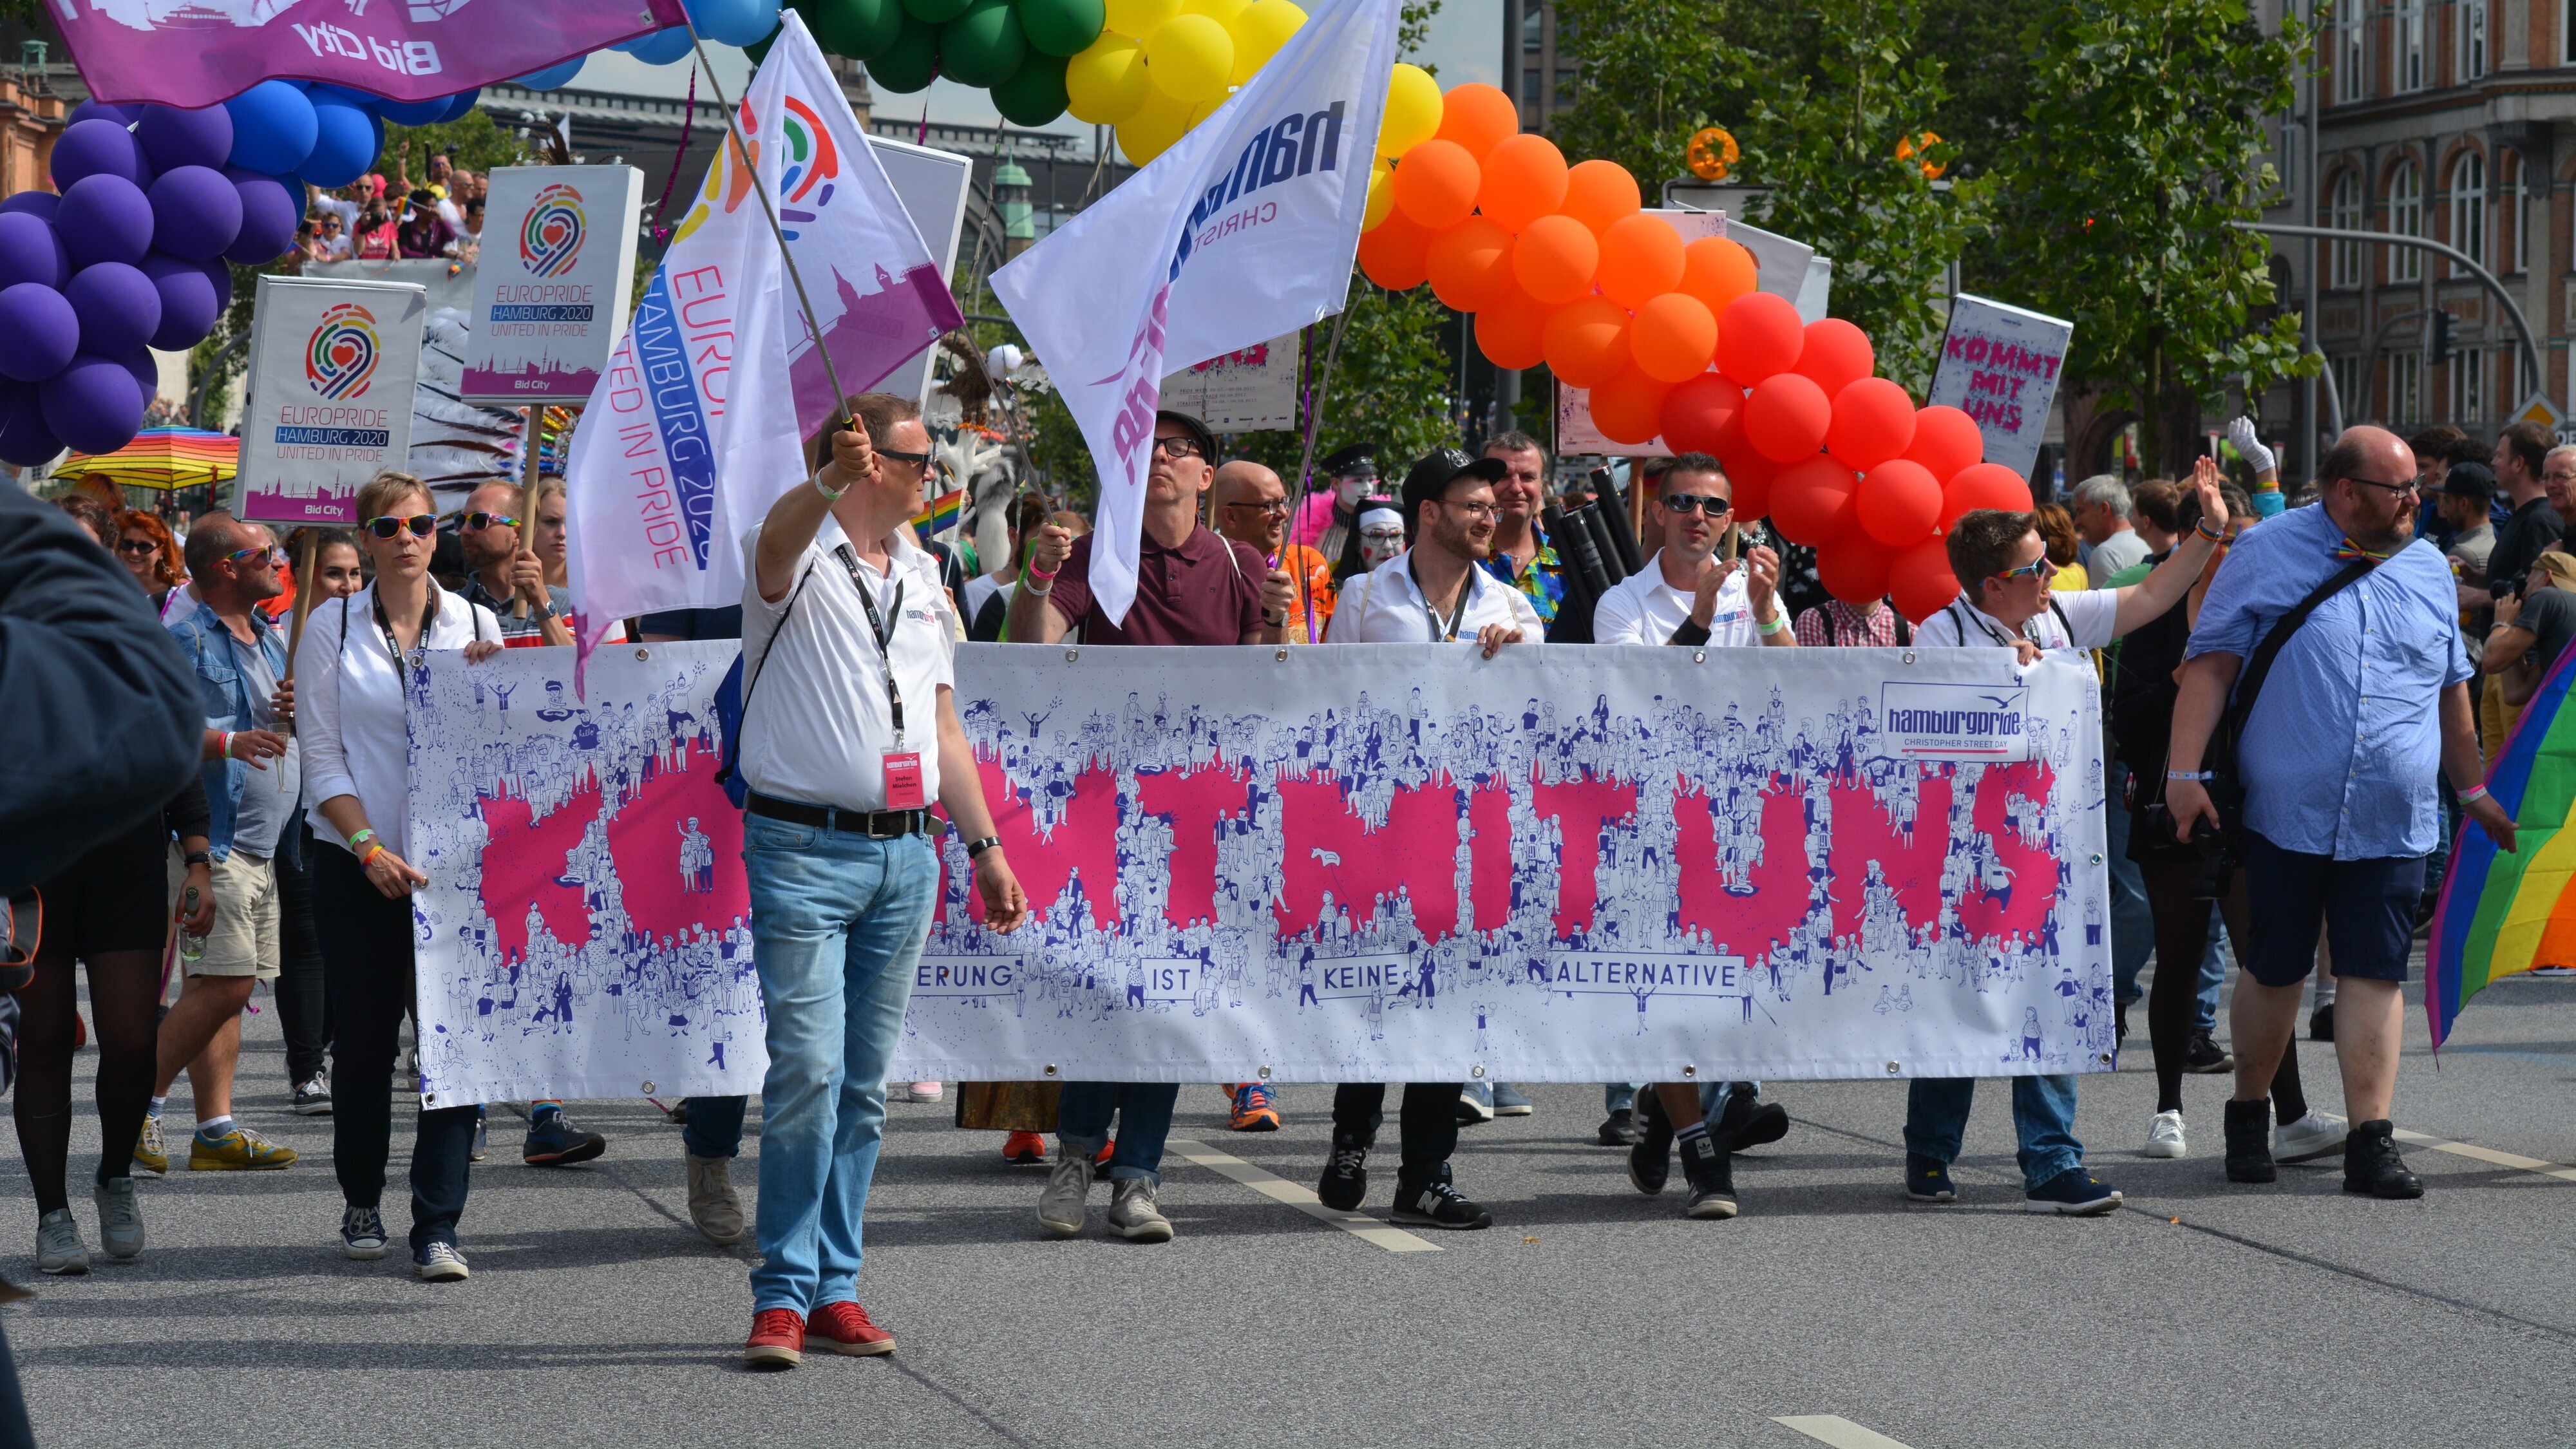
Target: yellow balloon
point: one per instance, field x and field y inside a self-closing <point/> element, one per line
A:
<point x="1222" y="12"/>
<point x="1259" y="32"/>
<point x="1105" y="83"/>
<point x="1189" y="58"/>
<point x="1153" y="128"/>
<point x="1381" y="197"/>
<point x="1137" y="19"/>
<point x="1412" y="110"/>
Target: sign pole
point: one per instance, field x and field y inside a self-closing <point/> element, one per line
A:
<point x="303" y="596"/>
<point x="528" y="445"/>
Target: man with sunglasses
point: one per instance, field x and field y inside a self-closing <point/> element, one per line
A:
<point x="505" y="572"/>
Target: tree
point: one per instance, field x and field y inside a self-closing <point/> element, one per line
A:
<point x="1651" y="72"/>
<point x="1390" y="385"/>
<point x="2142" y="141"/>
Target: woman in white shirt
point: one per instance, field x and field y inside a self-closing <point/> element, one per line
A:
<point x="352" y="707"/>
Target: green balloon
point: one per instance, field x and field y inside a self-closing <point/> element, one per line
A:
<point x="1034" y="95"/>
<point x="859" y="29"/>
<point x="908" y="64"/>
<point x="983" y="46"/>
<point x="937" y="12"/>
<point x="1062" y="27"/>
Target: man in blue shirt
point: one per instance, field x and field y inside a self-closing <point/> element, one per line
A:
<point x="2335" y="835"/>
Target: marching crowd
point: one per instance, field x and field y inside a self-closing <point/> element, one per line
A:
<point x="2240" y="648"/>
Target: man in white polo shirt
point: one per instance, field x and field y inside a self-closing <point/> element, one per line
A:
<point x="848" y="733"/>
<point x="1685" y="594"/>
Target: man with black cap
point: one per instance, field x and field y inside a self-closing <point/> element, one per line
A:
<point x="1193" y="586"/>
<point x="1436" y="592"/>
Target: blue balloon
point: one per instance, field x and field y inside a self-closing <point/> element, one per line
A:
<point x="273" y="127"/>
<point x="174" y="137"/>
<point x="344" y="144"/>
<point x="118" y="307"/>
<point x="95" y="109"/>
<point x="662" y="47"/>
<point x="39" y="204"/>
<point x="459" y="104"/>
<point x="146" y="373"/>
<point x="413" y="113"/>
<point x="104" y="219"/>
<point x="24" y="439"/>
<point x="95" y="147"/>
<point x="196" y="212"/>
<point x="271" y="206"/>
<point x="734" y="22"/>
<point x="553" y="75"/>
<point x="30" y="252"/>
<point x="189" y="301"/>
<point x="94" y="405"/>
<point x="39" y="332"/>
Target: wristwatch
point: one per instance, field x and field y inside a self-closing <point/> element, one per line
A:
<point x="976" y="848"/>
<point x="199" y="857"/>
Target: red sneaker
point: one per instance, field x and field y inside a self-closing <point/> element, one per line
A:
<point x="846" y="1328"/>
<point x="1106" y="1148"/>
<point x="777" y="1339"/>
<point x="1024" y="1148"/>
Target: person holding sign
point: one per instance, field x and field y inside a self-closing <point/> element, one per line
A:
<point x="854" y="735"/>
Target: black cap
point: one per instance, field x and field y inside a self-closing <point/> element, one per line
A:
<point x="2470" y="480"/>
<point x="1197" y="430"/>
<point x="1359" y="460"/>
<point x="1440" y="467"/>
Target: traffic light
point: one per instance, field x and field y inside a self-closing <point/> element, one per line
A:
<point x="2441" y="336"/>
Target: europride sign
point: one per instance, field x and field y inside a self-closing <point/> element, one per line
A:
<point x="333" y="368"/>
<point x="550" y="293"/>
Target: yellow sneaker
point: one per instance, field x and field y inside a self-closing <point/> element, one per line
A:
<point x="238" y="1150"/>
<point x="151" y="1154"/>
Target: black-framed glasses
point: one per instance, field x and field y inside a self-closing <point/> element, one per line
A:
<point x="1473" y="510"/>
<point x="422" y="525"/>
<point x="1179" y="445"/>
<point x="267" y="552"/>
<point x="1710" y="504"/>
<point x="137" y="547"/>
<point x="1276" y="507"/>
<point x="2411" y="485"/>
<point x="478" y="521"/>
<point x="918" y="460"/>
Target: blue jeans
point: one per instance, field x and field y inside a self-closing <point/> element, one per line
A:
<point x="2213" y="975"/>
<point x="1144" y="1111"/>
<point x="2133" y="926"/>
<point x="837" y="924"/>
<point x="1620" y="1096"/>
<point x="1936" y="1114"/>
<point x="714" y="1128"/>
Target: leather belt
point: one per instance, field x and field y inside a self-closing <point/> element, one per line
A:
<point x="874" y="824"/>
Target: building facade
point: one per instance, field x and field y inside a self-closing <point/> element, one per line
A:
<point x="1543" y="84"/>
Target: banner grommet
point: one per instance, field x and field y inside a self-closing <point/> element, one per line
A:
<point x="1893" y="1069"/>
<point x="1050" y="1069"/>
<point x="643" y="654"/>
<point x="648" y="1087"/>
<point x="1477" y="1071"/>
<point x="1699" y="656"/>
<point x="1689" y="1072"/>
<point x="1265" y="1074"/>
<point x="1281" y="657"/>
<point x="1071" y="655"/>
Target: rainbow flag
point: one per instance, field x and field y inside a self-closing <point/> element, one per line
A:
<point x="2502" y="914"/>
<point x="939" y="517"/>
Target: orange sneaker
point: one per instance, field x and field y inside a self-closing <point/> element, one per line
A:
<point x="1025" y="1148"/>
<point x="1106" y="1148"/>
<point x="1253" y="1109"/>
<point x="777" y="1339"/>
<point x="1229" y="1088"/>
<point x="846" y="1328"/>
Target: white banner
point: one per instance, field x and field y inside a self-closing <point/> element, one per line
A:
<point x="1244" y="229"/>
<point x="550" y="289"/>
<point x="1999" y="364"/>
<point x="332" y="368"/>
<point x="1357" y="863"/>
<point x="1242" y="391"/>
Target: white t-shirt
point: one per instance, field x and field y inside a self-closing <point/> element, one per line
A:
<point x="2079" y="619"/>
<point x="1643" y="609"/>
<point x="816" y="723"/>
<point x="351" y="715"/>
<point x="1385" y="606"/>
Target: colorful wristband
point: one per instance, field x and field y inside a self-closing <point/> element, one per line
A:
<point x="1777" y="623"/>
<point x="1035" y="572"/>
<point x="368" y="859"/>
<point x="2473" y="794"/>
<point x="361" y="838"/>
<point x="2197" y="775"/>
<point x="226" y="748"/>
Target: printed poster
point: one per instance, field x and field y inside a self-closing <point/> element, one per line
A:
<point x="550" y="289"/>
<point x="1999" y="364"/>
<point x="332" y="370"/>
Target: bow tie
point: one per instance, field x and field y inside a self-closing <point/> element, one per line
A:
<point x="2350" y="550"/>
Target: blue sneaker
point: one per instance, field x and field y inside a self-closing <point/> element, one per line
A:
<point x="1927" y="1179"/>
<point x="1475" y="1104"/>
<point x="2073" y="1193"/>
<point x="1508" y="1102"/>
<point x="362" y="1233"/>
<point x="555" y="1142"/>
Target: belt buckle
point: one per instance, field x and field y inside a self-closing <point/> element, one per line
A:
<point x="877" y="815"/>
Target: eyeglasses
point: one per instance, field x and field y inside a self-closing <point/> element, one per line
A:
<point x="137" y="547"/>
<point x="1276" y="507"/>
<point x="2400" y="489"/>
<point x="266" y="553"/>
<point x="1688" y="503"/>
<point x="1179" y="445"/>
<point x="422" y="525"/>
<point x="2038" y="568"/>
<point x="1472" y="510"/>
<point x="478" y="521"/>
<point x="918" y="460"/>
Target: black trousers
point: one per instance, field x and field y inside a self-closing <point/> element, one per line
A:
<point x="367" y="966"/>
<point x="1428" y="1122"/>
<point x="303" y="1001"/>
<point x="2182" y="937"/>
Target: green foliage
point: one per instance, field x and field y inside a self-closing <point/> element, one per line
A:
<point x="1654" y="71"/>
<point x="1390" y="384"/>
<point x="1984" y="45"/>
<point x="1413" y="27"/>
<point x="474" y="143"/>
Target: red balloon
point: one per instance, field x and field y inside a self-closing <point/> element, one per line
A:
<point x="1920" y="580"/>
<point x="1899" y="504"/>
<point x="1785" y="417"/>
<point x="1811" y="502"/>
<point x="1837" y="354"/>
<point x="1512" y="330"/>
<point x="1984" y="485"/>
<point x="1470" y="264"/>
<point x="1873" y="422"/>
<point x="1587" y="341"/>
<point x="1704" y="415"/>
<point x="1629" y="408"/>
<point x="1946" y="440"/>
<point x="1854" y="568"/>
<point x="1393" y="253"/>
<point x="1752" y="474"/>
<point x="1757" y="335"/>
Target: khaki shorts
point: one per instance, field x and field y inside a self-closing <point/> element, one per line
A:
<point x="244" y="940"/>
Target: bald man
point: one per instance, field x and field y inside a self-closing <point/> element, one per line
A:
<point x="1250" y="505"/>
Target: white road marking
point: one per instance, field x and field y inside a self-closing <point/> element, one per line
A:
<point x="1840" y="1432"/>
<point x="2489" y="1155"/>
<point x="1280" y="1189"/>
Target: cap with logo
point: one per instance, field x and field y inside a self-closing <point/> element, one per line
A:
<point x="1359" y="460"/>
<point x="1440" y="467"/>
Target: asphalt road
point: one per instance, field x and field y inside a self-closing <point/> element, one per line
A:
<point x="2203" y="1314"/>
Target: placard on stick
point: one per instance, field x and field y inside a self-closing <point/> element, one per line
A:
<point x="1999" y="364"/>
<point x="550" y="293"/>
<point x="333" y="369"/>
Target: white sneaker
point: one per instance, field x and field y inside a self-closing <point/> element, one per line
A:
<point x="2164" y="1136"/>
<point x="440" y="1263"/>
<point x="1065" y="1204"/>
<point x="2318" y="1134"/>
<point x="1133" y="1215"/>
<point x="927" y="1092"/>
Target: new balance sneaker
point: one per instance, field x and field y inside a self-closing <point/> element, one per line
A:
<point x="1438" y="1204"/>
<point x="2249" y="1148"/>
<point x="1508" y="1101"/>
<point x="2073" y="1193"/>
<point x="777" y="1339"/>
<point x="1475" y="1104"/>
<point x="238" y="1150"/>
<point x="1710" y="1170"/>
<point x="1927" y="1179"/>
<point x="1065" y="1204"/>
<point x="120" y="1218"/>
<point x="362" y="1234"/>
<point x="2206" y="1056"/>
<point x="1132" y="1213"/>
<point x="312" y="1097"/>
<point x="1749" y="1122"/>
<point x="2164" y="1136"/>
<point x="1025" y="1149"/>
<point x="1256" y="1109"/>
<point x="922" y="1092"/>
<point x="439" y="1263"/>
<point x="1619" y="1129"/>
<point x="59" y="1249"/>
<point x="151" y="1153"/>
<point x="846" y="1328"/>
<point x="2371" y="1165"/>
<point x="714" y="1206"/>
<point x="554" y="1142"/>
<point x="2318" y="1134"/>
<point x="1344" y="1185"/>
<point x="1650" y="1162"/>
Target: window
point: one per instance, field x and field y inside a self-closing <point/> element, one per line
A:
<point x="2405" y="389"/>
<point x="2406" y="218"/>
<point x="2344" y="258"/>
<point x="1533" y="24"/>
<point x="2469" y="209"/>
<point x="2410" y="45"/>
<point x="2473" y="39"/>
<point x="2508" y="218"/>
<point x="2469" y="387"/>
<point x="2347" y="56"/>
<point x="1533" y="86"/>
<point x="2347" y="386"/>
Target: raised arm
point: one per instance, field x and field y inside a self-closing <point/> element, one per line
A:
<point x="2159" y="591"/>
<point x="798" y="514"/>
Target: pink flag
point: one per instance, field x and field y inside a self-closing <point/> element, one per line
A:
<point x="198" y="52"/>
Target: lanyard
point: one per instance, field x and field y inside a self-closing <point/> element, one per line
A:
<point x="1466" y="587"/>
<point x="877" y="626"/>
<point x="429" y="611"/>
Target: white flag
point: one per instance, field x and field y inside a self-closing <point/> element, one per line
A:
<point x="699" y="421"/>
<point x="1244" y="229"/>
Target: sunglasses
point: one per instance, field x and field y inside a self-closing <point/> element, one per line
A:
<point x="422" y="525"/>
<point x="1688" y="503"/>
<point x="478" y="521"/>
<point x="137" y="547"/>
<point x="918" y="460"/>
<point x="1178" y="446"/>
<point x="270" y="554"/>
<point x="2038" y="568"/>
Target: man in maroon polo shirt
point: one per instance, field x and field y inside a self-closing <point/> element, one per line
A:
<point x="1193" y="586"/>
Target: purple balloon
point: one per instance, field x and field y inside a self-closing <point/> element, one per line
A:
<point x="25" y="441"/>
<point x="270" y="209"/>
<point x="30" y="252"/>
<point x="118" y="306"/>
<point x="39" y="204"/>
<point x="196" y="212"/>
<point x="344" y="143"/>
<point x="104" y="219"/>
<point x="190" y="302"/>
<point x="414" y="113"/>
<point x="146" y="373"/>
<point x="173" y="137"/>
<point x="95" y="148"/>
<point x="39" y="332"/>
<point x="96" y="109"/>
<point x="93" y="405"/>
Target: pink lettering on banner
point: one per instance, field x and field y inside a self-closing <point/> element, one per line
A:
<point x="1331" y="849"/>
<point x="1083" y="846"/>
<point x="526" y="863"/>
<point x="1763" y="916"/>
<point x="1489" y="855"/>
<point x="647" y="838"/>
<point x="2017" y="882"/>
<point x="1198" y="803"/>
<point x="1581" y="807"/>
<point x="1909" y="857"/>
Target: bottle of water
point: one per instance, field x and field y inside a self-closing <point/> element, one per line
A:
<point x="192" y="947"/>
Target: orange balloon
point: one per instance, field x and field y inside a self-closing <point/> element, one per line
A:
<point x="1477" y="116"/>
<point x="1641" y="258"/>
<point x="1984" y="485"/>
<point x="1555" y="258"/>
<point x="1524" y="179"/>
<point x="1946" y="440"/>
<point x="1598" y="193"/>
<point x="1470" y="264"/>
<point x="1587" y="342"/>
<point x="1629" y="408"/>
<point x="1920" y="580"/>
<point x="1435" y="184"/>
<point x="1673" y="337"/>
<point x="1718" y="271"/>
<point x="1392" y="254"/>
<point x="1757" y="335"/>
<point x="1811" y="501"/>
<point x="1512" y="330"/>
<point x="1837" y="354"/>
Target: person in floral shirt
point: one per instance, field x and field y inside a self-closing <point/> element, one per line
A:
<point x="1521" y="555"/>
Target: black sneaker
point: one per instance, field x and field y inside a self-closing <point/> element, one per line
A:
<point x="1749" y="1122"/>
<point x="2073" y="1193"/>
<point x="1927" y="1179"/>
<point x="1619" y="1129"/>
<point x="2249" y="1142"/>
<point x="2119" y="1024"/>
<point x="1650" y="1162"/>
<point x="2371" y="1165"/>
<point x="2321" y="1023"/>
<point x="1711" y="1173"/>
<point x="1345" y="1181"/>
<point x="2206" y="1056"/>
<point x="1436" y="1204"/>
<point x="555" y="1142"/>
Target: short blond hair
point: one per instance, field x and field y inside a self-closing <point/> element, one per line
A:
<point x="388" y="488"/>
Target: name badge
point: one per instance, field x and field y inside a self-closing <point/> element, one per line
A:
<point x="903" y="780"/>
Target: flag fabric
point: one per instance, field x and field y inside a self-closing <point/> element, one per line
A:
<point x="1245" y="229"/>
<point x="2503" y="913"/>
<point x="197" y="54"/>
<point x="698" y="423"/>
<point x="939" y="517"/>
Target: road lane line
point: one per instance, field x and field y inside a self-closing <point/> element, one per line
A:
<point x="1280" y="1189"/>
<point x="1840" y="1432"/>
<point x="2489" y="1155"/>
